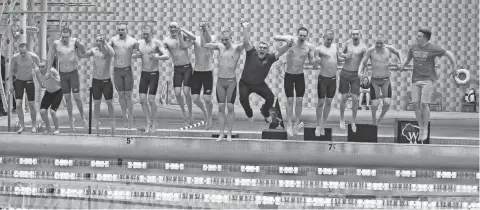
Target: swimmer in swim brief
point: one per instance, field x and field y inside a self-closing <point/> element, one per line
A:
<point x="229" y="54"/>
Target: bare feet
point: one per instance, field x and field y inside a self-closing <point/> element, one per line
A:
<point x="229" y="137"/>
<point x="47" y="130"/>
<point x="424" y="135"/>
<point x="220" y="137"/>
<point x="317" y="131"/>
<point x="125" y="121"/>
<point x="113" y="129"/>
<point x="342" y="124"/>
<point x="320" y="131"/>
<point x="85" y="124"/>
<point x="209" y="123"/>
<point x="190" y="119"/>
<point x="354" y="127"/>
<point x="296" y="127"/>
<point x="148" y="127"/>
<point x="289" y="129"/>
<point x="130" y="121"/>
<point x="205" y="120"/>
<point x="97" y="128"/>
<point x="72" y="125"/>
<point x="153" y="127"/>
<point x="34" y="129"/>
<point x="185" y="119"/>
<point x="379" y="120"/>
<point x="420" y="134"/>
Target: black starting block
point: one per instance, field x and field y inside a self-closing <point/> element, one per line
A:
<point x="279" y="134"/>
<point x="234" y="135"/>
<point x="309" y="134"/>
<point x="365" y="133"/>
<point x="407" y="132"/>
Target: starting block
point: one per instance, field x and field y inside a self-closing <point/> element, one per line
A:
<point x="407" y="132"/>
<point x="278" y="134"/>
<point x="309" y="134"/>
<point x="365" y="133"/>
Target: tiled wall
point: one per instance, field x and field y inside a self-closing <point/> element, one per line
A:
<point x="454" y="25"/>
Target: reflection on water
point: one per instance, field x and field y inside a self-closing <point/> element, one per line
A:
<point x="33" y="183"/>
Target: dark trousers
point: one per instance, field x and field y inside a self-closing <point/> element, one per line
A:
<point x="262" y="90"/>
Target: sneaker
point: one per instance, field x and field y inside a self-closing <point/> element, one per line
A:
<point x="34" y="129"/>
<point x="359" y="108"/>
<point x="367" y="108"/>
<point x="56" y="132"/>
<point x="20" y="130"/>
<point x="47" y="130"/>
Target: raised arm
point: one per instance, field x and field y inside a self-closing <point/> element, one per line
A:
<point x="52" y="52"/>
<point x="282" y="38"/>
<point x="247" y="45"/>
<point x="80" y="47"/>
<point x="186" y="38"/>
<point x="283" y="49"/>
<point x="211" y="46"/>
<point x="363" y="63"/>
<point x="111" y="43"/>
<point x="311" y="56"/>
<point x="109" y="48"/>
<point x="163" y="55"/>
<point x="206" y="33"/>
<point x="86" y="54"/>
<point x="211" y="38"/>
<point x="343" y="53"/>
<point x="188" y="34"/>
<point x="203" y="38"/>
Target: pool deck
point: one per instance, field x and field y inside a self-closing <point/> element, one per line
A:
<point x="196" y="145"/>
<point x="444" y="125"/>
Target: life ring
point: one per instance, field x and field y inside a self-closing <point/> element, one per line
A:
<point x="467" y="77"/>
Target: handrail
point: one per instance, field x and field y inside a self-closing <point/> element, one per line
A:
<point x="58" y="12"/>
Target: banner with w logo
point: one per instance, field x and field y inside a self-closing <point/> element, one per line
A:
<point x="407" y="132"/>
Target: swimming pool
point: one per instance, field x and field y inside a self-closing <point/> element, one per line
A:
<point x="85" y="171"/>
